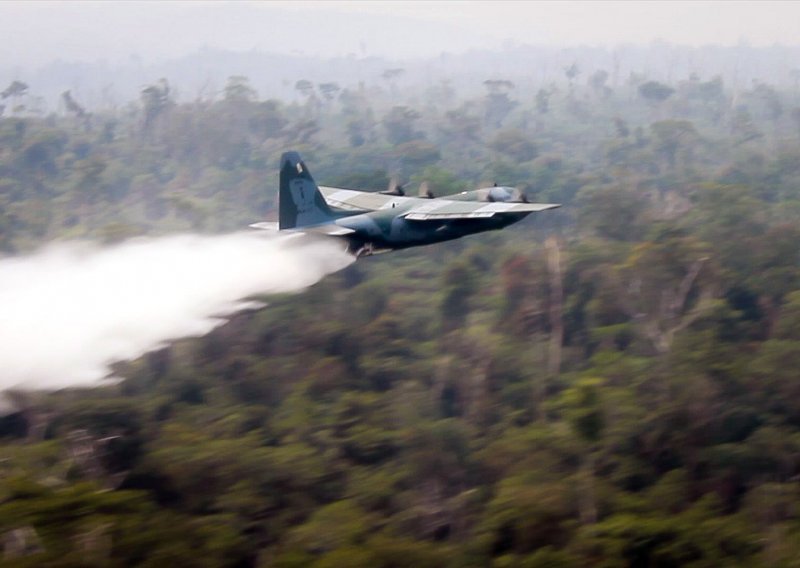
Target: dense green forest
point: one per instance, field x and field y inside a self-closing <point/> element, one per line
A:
<point x="609" y="384"/>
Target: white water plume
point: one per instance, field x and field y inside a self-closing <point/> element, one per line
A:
<point x="70" y="310"/>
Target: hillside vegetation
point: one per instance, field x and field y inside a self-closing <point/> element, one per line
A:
<point x="614" y="383"/>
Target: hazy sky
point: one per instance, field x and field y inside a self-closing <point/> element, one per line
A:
<point x="37" y="32"/>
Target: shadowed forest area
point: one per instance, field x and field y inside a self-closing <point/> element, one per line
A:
<point x="614" y="383"/>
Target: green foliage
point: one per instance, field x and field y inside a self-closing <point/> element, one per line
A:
<point x="403" y="412"/>
<point x="612" y="212"/>
<point x="399" y="125"/>
<point x="441" y="182"/>
<point x="583" y="406"/>
<point x="514" y="144"/>
<point x="460" y="283"/>
<point x="655" y="91"/>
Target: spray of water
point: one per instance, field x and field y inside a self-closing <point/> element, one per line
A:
<point x="70" y="310"/>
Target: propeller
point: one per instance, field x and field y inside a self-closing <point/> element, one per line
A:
<point x="425" y="191"/>
<point x="518" y="196"/>
<point x="394" y="188"/>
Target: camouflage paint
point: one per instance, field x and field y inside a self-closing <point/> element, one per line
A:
<point x="374" y="222"/>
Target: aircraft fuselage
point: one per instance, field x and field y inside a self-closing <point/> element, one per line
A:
<point x="378" y="222"/>
<point x="386" y="229"/>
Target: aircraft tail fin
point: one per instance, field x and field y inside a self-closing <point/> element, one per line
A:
<point x="300" y="201"/>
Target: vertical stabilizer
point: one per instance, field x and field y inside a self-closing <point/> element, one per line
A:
<point x="300" y="202"/>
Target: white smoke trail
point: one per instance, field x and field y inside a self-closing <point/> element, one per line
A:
<point x="70" y="310"/>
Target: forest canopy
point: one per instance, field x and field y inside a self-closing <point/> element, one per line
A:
<point x="615" y="384"/>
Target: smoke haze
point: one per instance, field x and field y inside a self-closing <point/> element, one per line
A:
<point x="71" y="309"/>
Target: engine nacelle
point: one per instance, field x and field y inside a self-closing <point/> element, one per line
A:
<point x="496" y="194"/>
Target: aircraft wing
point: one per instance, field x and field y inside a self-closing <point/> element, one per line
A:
<point x="352" y="200"/>
<point x="441" y="209"/>
<point x="426" y="209"/>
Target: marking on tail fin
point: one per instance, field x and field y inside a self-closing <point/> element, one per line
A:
<point x="302" y="195"/>
<point x="300" y="202"/>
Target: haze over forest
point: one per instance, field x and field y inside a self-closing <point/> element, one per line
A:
<point x="105" y="53"/>
<point x="611" y="383"/>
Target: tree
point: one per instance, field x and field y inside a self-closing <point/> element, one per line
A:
<point x="15" y="91"/>
<point x="771" y="103"/>
<point x="391" y="76"/>
<point x="330" y="528"/>
<point x="514" y="144"/>
<point x="670" y="283"/>
<point x="543" y="101"/>
<point x="304" y="87"/>
<point x="72" y="105"/>
<point x="571" y="72"/>
<point x="89" y="182"/>
<point x="441" y="406"/>
<point x="743" y="127"/>
<point x="461" y="124"/>
<point x="722" y="213"/>
<point x="460" y="284"/>
<point x="556" y="305"/>
<point x="612" y="212"/>
<point x="522" y="312"/>
<point x="598" y="83"/>
<point x="329" y="90"/>
<point x="525" y="516"/>
<point x="399" y="124"/>
<point x="238" y="90"/>
<point x="39" y="155"/>
<point x="655" y="92"/>
<point x="267" y="120"/>
<point x="155" y="100"/>
<point x="672" y="138"/>
<point x="584" y="411"/>
<point x="498" y="103"/>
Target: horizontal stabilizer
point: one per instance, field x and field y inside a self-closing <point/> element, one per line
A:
<point x="329" y="230"/>
<point x="265" y="226"/>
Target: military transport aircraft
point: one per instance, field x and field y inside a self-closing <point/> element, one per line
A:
<point x="384" y="221"/>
